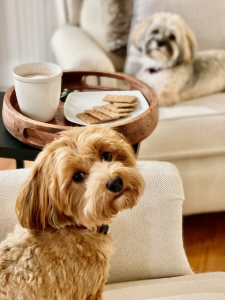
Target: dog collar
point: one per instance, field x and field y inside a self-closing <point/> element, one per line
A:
<point x="100" y="229"/>
<point x="152" y="70"/>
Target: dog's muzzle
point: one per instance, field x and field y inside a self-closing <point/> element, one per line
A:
<point x="115" y="184"/>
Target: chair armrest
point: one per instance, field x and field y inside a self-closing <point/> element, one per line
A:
<point x="74" y="49"/>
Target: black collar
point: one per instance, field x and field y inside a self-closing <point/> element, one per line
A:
<point x="99" y="229"/>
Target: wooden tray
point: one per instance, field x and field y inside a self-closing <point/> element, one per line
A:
<point x="38" y="134"/>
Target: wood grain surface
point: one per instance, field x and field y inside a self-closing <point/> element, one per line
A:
<point x="204" y="241"/>
<point x="38" y="134"/>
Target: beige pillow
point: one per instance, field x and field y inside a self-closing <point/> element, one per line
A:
<point x="108" y="22"/>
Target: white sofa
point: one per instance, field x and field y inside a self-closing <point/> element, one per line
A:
<point x="149" y="260"/>
<point x="190" y="135"/>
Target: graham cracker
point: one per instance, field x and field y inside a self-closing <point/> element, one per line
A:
<point x="88" y="119"/>
<point x="98" y="115"/>
<point x="119" y="98"/>
<point x="111" y="113"/>
<point x="117" y="109"/>
<point x="120" y="105"/>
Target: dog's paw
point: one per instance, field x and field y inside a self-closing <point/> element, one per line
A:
<point x="167" y="98"/>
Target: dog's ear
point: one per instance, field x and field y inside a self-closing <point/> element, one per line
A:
<point x="32" y="204"/>
<point x="189" y="43"/>
<point x="36" y="206"/>
<point x="138" y="34"/>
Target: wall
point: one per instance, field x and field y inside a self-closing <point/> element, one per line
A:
<point x="26" y="27"/>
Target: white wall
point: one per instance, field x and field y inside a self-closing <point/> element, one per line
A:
<point x="26" y="27"/>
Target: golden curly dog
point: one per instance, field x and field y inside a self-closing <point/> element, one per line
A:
<point x="78" y="183"/>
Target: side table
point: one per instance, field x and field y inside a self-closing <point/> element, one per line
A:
<point x="10" y="147"/>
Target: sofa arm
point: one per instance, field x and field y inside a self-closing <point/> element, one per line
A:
<point x="148" y="239"/>
<point x="74" y="49"/>
<point x="10" y="183"/>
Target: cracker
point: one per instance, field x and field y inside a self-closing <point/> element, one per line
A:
<point x="120" y="105"/>
<point x="88" y="119"/>
<point x="119" y="98"/>
<point x="117" y="109"/>
<point x="99" y="115"/>
<point x="111" y="113"/>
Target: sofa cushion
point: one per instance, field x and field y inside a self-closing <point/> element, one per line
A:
<point x="208" y="286"/>
<point x="193" y="128"/>
<point x="108" y="22"/>
<point x="148" y="239"/>
<point x="199" y="15"/>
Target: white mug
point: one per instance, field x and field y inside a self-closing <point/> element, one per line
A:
<point x="38" y="87"/>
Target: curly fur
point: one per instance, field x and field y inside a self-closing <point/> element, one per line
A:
<point x="49" y="256"/>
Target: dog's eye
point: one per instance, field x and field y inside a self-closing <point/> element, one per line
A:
<point x="106" y="156"/>
<point x="172" y="37"/>
<point x="155" y="31"/>
<point x="78" y="177"/>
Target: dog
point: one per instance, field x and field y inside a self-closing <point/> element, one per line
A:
<point x="171" y="63"/>
<point x="77" y="185"/>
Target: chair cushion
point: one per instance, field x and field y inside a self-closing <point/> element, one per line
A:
<point x="208" y="286"/>
<point x="193" y="128"/>
<point x="199" y="15"/>
<point x="148" y="239"/>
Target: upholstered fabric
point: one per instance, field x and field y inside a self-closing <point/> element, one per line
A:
<point x="191" y="136"/>
<point x="148" y="239"/>
<point x="98" y="20"/>
<point x="204" y="17"/>
<point x="208" y="286"/>
<point x="204" y="183"/>
<point x="68" y="11"/>
<point x="95" y="21"/>
<point x="193" y="128"/>
<point x="74" y="49"/>
<point x="147" y="236"/>
<point x="10" y="182"/>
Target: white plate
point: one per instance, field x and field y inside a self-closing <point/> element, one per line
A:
<point x="78" y="102"/>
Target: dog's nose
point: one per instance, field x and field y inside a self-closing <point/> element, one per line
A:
<point x="160" y="43"/>
<point x="115" y="184"/>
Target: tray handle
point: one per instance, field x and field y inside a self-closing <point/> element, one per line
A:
<point x="37" y="138"/>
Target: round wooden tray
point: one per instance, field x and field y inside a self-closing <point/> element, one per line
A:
<point x="38" y="134"/>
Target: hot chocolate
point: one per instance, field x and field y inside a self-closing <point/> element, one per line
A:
<point x="37" y="75"/>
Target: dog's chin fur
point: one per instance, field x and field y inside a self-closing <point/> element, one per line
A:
<point x="183" y="75"/>
<point x="49" y="256"/>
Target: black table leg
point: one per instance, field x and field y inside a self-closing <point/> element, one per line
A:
<point x="136" y="148"/>
<point x="19" y="164"/>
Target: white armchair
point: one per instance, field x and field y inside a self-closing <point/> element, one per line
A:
<point x="191" y="134"/>
<point x="149" y="260"/>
